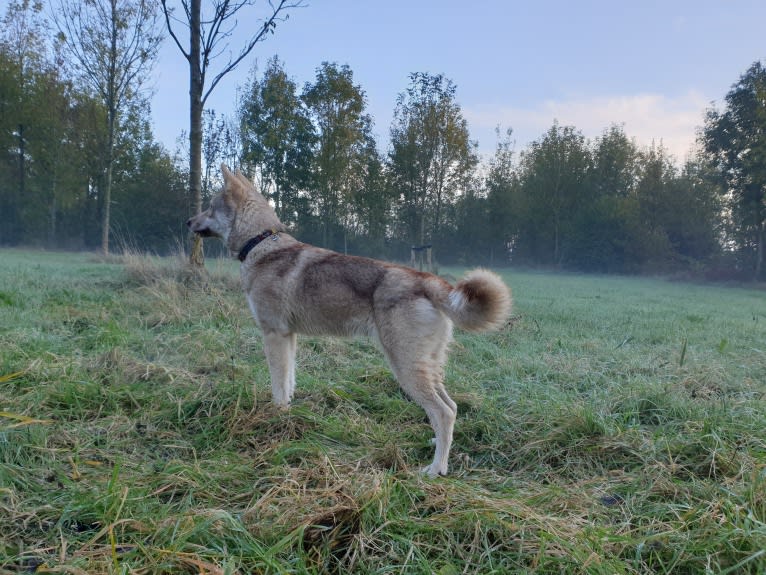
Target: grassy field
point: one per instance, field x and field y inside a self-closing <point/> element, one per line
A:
<point x="617" y="425"/>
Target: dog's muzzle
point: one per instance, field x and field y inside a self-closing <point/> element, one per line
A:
<point x="204" y="232"/>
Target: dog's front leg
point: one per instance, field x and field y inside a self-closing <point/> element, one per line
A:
<point x="280" y="355"/>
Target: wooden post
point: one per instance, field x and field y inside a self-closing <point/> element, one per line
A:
<point x="417" y="256"/>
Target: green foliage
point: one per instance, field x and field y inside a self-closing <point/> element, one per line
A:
<point x="150" y="222"/>
<point x="615" y="426"/>
<point x="431" y="158"/>
<point x="345" y="153"/>
<point x="608" y="206"/>
<point x="553" y="177"/>
<point x="53" y="139"/>
<point x="503" y="204"/>
<point x="112" y="46"/>
<point x="736" y="141"/>
<point x="278" y="140"/>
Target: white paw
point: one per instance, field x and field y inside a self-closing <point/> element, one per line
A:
<point x="433" y="471"/>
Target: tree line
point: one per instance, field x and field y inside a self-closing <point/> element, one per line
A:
<point x="565" y="201"/>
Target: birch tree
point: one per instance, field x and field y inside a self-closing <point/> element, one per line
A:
<point x="113" y="44"/>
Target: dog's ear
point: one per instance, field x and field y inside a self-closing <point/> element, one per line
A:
<point x="233" y="190"/>
<point x="245" y="182"/>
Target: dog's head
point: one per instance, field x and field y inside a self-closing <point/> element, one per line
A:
<point x="217" y="220"/>
<point x="236" y="214"/>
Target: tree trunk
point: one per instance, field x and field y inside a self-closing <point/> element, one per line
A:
<point x="107" y="201"/>
<point x="106" y="213"/>
<point x="195" y="149"/>
<point x="52" y="215"/>
<point x="21" y="161"/>
<point x="196" y="84"/>
<point x="759" y="251"/>
<point x="111" y="120"/>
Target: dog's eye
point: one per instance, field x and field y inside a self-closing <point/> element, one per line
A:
<point x="215" y="205"/>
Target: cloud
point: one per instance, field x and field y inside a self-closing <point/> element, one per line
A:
<point x="646" y="118"/>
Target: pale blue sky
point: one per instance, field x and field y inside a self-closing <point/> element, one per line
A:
<point x="654" y="66"/>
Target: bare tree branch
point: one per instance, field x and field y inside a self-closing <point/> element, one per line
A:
<point x="267" y="27"/>
<point x="168" y="13"/>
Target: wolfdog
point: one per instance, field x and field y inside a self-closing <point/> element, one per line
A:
<point x="293" y="288"/>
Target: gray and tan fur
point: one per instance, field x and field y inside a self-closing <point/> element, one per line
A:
<point x="294" y="287"/>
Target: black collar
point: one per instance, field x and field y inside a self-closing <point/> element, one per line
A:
<point x="252" y="242"/>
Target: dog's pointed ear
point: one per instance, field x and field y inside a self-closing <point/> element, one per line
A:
<point x="242" y="178"/>
<point x="232" y="186"/>
<point x="227" y="175"/>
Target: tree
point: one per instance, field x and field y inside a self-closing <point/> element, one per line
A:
<point x="208" y="39"/>
<point x="736" y="141"/>
<point x="432" y="157"/>
<point x="472" y="240"/>
<point x="602" y="219"/>
<point x="23" y="51"/>
<point x="113" y="43"/>
<point x="553" y="176"/>
<point x="344" y="136"/>
<point x="614" y="164"/>
<point x="371" y="202"/>
<point x="149" y="221"/>
<point x="50" y="148"/>
<point x="40" y="131"/>
<point x="277" y="139"/>
<point x="694" y="212"/>
<point x="503" y="208"/>
<point x="220" y="140"/>
<point x="649" y="242"/>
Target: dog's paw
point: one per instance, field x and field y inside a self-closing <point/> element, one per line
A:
<point x="433" y="471"/>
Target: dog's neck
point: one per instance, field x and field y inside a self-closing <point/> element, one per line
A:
<point x="252" y="218"/>
<point x="252" y="242"/>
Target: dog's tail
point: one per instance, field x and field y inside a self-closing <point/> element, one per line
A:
<point x="479" y="302"/>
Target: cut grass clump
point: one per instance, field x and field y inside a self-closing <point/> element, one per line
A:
<point x="616" y="425"/>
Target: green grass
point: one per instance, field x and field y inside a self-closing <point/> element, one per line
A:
<point x="618" y="425"/>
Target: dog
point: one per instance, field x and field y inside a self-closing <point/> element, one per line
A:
<point x="292" y="288"/>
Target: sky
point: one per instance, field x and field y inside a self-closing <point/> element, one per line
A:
<point x="653" y="67"/>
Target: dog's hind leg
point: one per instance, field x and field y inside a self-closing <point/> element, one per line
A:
<point x="280" y="355"/>
<point x="293" y="345"/>
<point x="440" y="413"/>
<point x="420" y="378"/>
<point x="439" y="358"/>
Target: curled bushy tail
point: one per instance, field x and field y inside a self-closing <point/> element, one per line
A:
<point x="479" y="302"/>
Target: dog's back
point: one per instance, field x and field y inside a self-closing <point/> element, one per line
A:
<point x="311" y="290"/>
